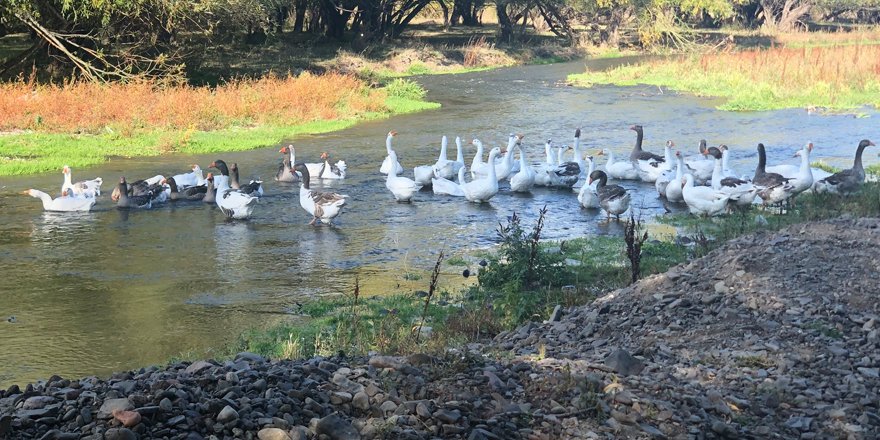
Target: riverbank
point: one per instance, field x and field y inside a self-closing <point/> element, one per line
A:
<point x="835" y="73"/>
<point x="45" y="127"/>
<point x="770" y="334"/>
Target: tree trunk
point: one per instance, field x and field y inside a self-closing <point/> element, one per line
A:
<point x="299" y="16"/>
<point x="504" y="23"/>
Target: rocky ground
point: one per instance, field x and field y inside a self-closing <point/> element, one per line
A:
<point x="770" y="336"/>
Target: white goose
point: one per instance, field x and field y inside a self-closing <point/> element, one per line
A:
<point x="673" y="192"/>
<point x="481" y="190"/>
<point x="68" y="202"/>
<point x="444" y="167"/>
<point x="667" y="175"/>
<point x="701" y="165"/>
<point x="726" y="169"/>
<point x="442" y="186"/>
<point x="505" y="167"/>
<point x="800" y="178"/>
<point x="403" y="188"/>
<point x="423" y="174"/>
<point x="323" y="206"/>
<point x="459" y="156"/>
<point x="542" y="171"/>
<point x="388" y="165"/>
<point x="649" y="165"/>
<point x="326" y="170"/>
<point x="524" y="180"/>
<point x="193" y="178"/>
<point x="87" y="188"/>
<point x="739" y="191"/>
<point x="588" y="196"/>
<point x="702" y="200"/>
<point x="622" y="170"/>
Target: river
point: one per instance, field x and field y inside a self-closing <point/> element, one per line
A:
<point x="109" y="290"/>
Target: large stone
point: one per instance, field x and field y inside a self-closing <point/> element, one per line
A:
<point x="111" y="405"/>
<point x="127" y="418"/>
<point x="272" y="434"/>
<point x="227" y="414"/>
<point x="198" y="366"/>
<point x="624" y="363"/>
<point x="120" y="434"/>
<point x="361" y="401"/>
<point x="37" y="402"/>
<point x="337" y="428"/>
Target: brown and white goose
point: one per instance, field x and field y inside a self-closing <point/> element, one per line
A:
<point x="772" y="187"/>
<point x="254" y="187"/>
<point x="846" y="181"/>
<point x="614" y="199"/>
<point x="323" y="206"/>
<point x="649" y="165"/>
<point x="125" y="201"/>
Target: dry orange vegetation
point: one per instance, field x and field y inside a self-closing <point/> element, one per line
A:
<point x="89" y="108"/>
<point x="837" y="77"/>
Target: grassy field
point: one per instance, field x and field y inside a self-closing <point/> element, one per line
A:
<point x="838" y="74"/>
<point x="43" y="127"/>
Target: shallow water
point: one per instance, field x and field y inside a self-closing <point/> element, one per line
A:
<point x="108" y="290"/>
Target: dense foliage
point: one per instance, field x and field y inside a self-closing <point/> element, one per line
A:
<point x="112" y="39"/>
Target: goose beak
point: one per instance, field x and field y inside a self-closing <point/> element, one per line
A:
<point x="600" y="153"/>
<point x="164" y="181"/>
<point x="392" y="133"/>
<point x="590" y="181"/>
<point x="26" y="192"/>
<point x="213" y="165"/>
<point x="871" y="143"/>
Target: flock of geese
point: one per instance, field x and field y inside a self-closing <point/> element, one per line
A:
<point x="705" y="181"/>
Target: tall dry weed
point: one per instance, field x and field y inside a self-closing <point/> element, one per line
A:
<point x="89" y="108"/>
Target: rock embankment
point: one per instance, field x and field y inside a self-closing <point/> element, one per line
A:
<point x="770" y="336"/>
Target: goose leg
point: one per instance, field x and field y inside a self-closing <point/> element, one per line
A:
<point x="312" y="223"/>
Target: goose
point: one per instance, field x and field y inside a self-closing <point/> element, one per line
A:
<point x="254" y="187"/>
<point x="579" y="156"/>
<point x="673" y="192"/>
<point x="565" y="174"/>
<point x="667" y="175"/>
<point x="588" y="196"/>
<point x="210" y="191"/>
<point x="290" y="161"/>
<point x="505" y="167"/>
<point x="701" y="165"/>
<point x="68" y="202"/>
<point x="622" y="170"/>
<point x="702" y="200"/>
<point x="388" y="165"/>
<point x="233" y="203"/>
<point x="524" y="180"/>
<point x="613" y="199"/>
<point x="152" y="187"/>
<point x="402" y="188"/>
<point x="125" y="201"/>
<point x="442" y="186"/>
<point x="326" y="170"/>
<point x="285" y="172"/>
<point x="444" y="167"/>
<point x="800" y="178"/>
<point x="191" y="193"/>
<point x="323" y="206"/>
<point x="423" y="174"/>
<point x="542" y="171"/>
<point x="480" y="169"/>
<point x="648" y="164"/>
<point x="772" y="187"/>
<point x="193" y="178"/>
<point x="846" y="181"/>
<point x="87" y="188"/>
<point x="459" y="156"/>
<point x="740" y="192"/>
<point x="726" y="169"/>
<point x="481" y="190"/>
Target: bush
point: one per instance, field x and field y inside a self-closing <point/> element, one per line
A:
<point x="407" y="89"/>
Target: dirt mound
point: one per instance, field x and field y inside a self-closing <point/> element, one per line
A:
<point x="772" y="335"/>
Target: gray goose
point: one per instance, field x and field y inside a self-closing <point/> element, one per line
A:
<point x="125" y="201"/>
<point x="846" y="181"/>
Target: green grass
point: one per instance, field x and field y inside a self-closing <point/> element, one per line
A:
<point x="35" y="152"/>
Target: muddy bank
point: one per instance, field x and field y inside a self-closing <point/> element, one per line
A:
<point x="773" y="335"/>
